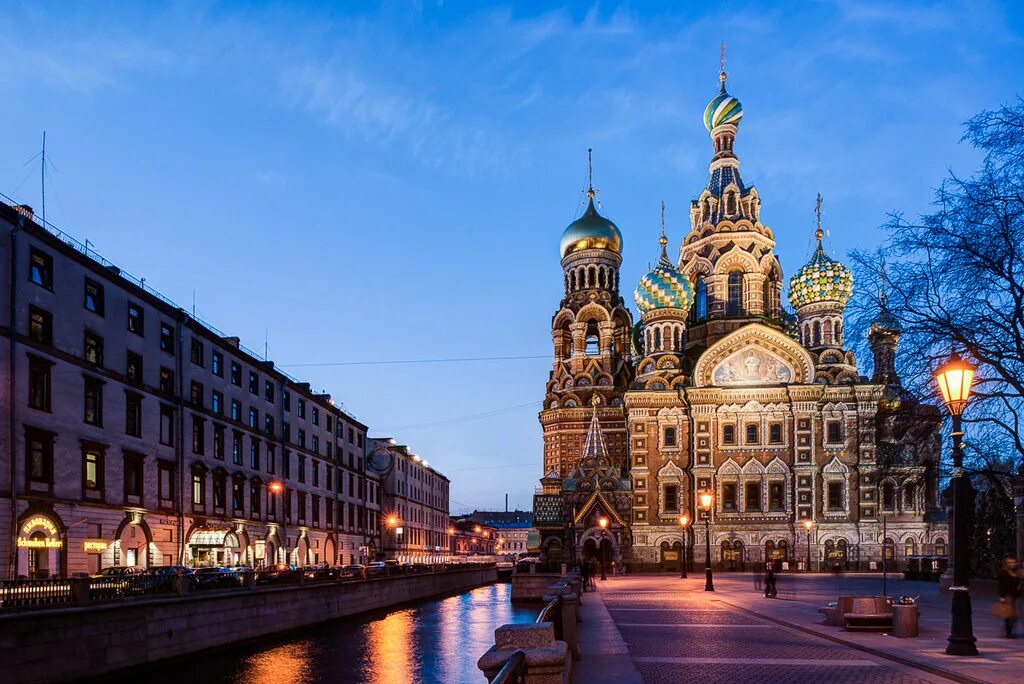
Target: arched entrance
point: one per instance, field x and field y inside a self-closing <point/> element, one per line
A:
<point x="300" y="556"/>
<point x="732" y="555"/>
<point x="40" y="544"/>
<point x="671" y="556"/>
<point x="776" y="553"/>
<point x="836" y="555"/>
<point x="330" y="554"/>
<point x="213" y="547"/>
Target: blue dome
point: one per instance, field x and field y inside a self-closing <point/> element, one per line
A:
<point x="591" y="231"/>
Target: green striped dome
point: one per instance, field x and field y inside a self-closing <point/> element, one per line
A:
<point x="724" y="109"/>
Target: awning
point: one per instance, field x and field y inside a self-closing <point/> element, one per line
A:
<point x="218" y="538"/>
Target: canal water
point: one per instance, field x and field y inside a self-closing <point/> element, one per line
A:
<point x="431" y="642"/>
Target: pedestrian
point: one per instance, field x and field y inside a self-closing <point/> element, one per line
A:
<point x="1008" y="584"/>
<point x="585" y="574"/>
<point x="757" y="582"/>
<point x="769" y="582"/>
<point x="593" y="574"/>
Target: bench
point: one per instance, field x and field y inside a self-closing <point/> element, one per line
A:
<point x="868" y="613"/>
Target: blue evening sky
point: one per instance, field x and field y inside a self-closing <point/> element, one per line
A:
<point x="362" y="182"/>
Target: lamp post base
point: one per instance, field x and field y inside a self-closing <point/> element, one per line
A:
<point x="709" y="583"/>
<point x="961" y="639"/>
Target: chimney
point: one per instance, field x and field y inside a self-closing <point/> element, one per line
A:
<point x="233" y="342"/>
<point x="25" y="211"/>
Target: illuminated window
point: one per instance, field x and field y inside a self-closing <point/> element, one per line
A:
<point x="729" y="496"/>
<point x="734" y="306"/>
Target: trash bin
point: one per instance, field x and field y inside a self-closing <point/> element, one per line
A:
<point x="904" y="620"/>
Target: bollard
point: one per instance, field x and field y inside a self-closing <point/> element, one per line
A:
<point x="81" y="594"/>
<point x="249" y="579"/>
<point x="182" y="584"/>
<point x="570" y="616"/>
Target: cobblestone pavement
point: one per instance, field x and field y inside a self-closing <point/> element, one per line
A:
<point x="678" y="633"/>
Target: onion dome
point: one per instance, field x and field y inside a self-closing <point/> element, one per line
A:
<point x="885" y="321"/>
<point x="724" y="109"/>
<point x="664" y="287"/>
<point x="591" y="231"/>
<point x="822" y="279"/>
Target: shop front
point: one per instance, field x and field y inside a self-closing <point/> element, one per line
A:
<point x="214" y="547"/>
<point x="40" y="544"/>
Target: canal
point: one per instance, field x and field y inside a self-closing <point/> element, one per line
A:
<point x="432" y="642"/>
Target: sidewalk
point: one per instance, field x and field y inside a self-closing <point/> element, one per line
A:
<point x="1000" y="659"/>
<point x="605" y="656"/>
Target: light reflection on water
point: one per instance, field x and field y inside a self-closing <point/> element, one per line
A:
<point x="430" y="643"/>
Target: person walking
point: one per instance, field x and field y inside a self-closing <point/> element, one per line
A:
<point x="769" y="583"/>
<point x="585" y="574"/>
<point x="758" y="581"/>
<point x="1008" y="584"/>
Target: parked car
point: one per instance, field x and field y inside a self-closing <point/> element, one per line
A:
<point x="115" y="571"/>
<point x="162" y="576"/>
<point x="318" y="572"/>
<point x="278" y="573"/>
<point x="354" y="571"/>
<point x="377" y="569"/>
<point x="217" y="578"/>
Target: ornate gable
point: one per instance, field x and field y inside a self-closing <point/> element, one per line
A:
<point x="754" y="355"/>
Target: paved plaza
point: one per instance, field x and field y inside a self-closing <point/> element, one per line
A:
<point x="662" y="629"/>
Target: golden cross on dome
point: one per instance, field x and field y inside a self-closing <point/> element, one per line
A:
<point x="590" y="172"/>
<point x="663" y="240"/>
<point x="881" y="285"/>
<point x="721" y="75"/>
<point x="817" y="210"/>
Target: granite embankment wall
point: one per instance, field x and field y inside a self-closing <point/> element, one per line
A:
<point x="65" y="644"/>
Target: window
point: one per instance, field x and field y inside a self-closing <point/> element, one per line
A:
<point x="302" y="438"/>
<point x="39" y="383"/>
<point x="197" y="490"/>
<point x="752" y="496"/>
<point x="254" y="498"/>
<point x="776" y="496"/>
<point x="734" y="306"/>
<point x="729" y="496"/>
<point x="93" y="297"/>
<point x="270" y="459"/>
<point x="268" y="424"/>
<point x="254" y="383"/>
<point x="133" y="368"/>
<point x="330" y="424"/>
<point x="302" y="408"/>
<point x="92" y="470"/>
<point x="670" y="436"/>
<point x="286" y="399"/>
<point x="752" y="434"/>
<point x="316" y="416"/>
<point x="166" y="380"/>
<point x="236" y="374"/>
<point x="254" y="454"/>
<point x="302" y="507"/>
<point x="329" y="449"/>
<point x="302" y="468"/>
<point x="218" y="441"/>
<point x="350" y="435"/>
<point x="93" y="349"/>
<point x="167" y="338"/>
<point x="671" y="498"/>
<point x="133" y="475"/>
<point x="166" y="425"/>
<point x="40" y="268"/>
<point x="198" y="435"/>
<point x="236" y="410"/>
<point x="699" y="311"/>
<point x="268" y="391"/>
<point x="286" y="431"/>
<point x="315" y="444"/>
<point x="236" y="448"/>
<point x="93" y="414"/>
<point x="835" y="495"/>
<point x="165" y="484"/>
<point x="316" y="474"/>
<point x="220" y="487"/>
<point x="286" y="464"/>
<point x="132" y="414"/>
<point x="593" y="347"/>
<point x="834" y="432"/>
<point x="775" y="433"/>
<point x="217" y="403"/>
<point x="197" y="356"/>
<point x="38" y="456"/>
<point x="40" y="326"/>
<point x="316" y="509"/>
<point x="236" y="495"/>
<point x="217" y="363"/>
<point x="888" y="496"/>
<point x="254" y="418"/>
<point x="195" y="395"/>
<point x="136" y="319"/>
<point x="728" y="434"/>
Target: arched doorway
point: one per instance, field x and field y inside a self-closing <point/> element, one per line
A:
<point x="732" y="555"/>
<point x="330" y="554"/>
<point x="40" y="544"/>
<point x="836" y="555"/>
<point x="776" y="553"/>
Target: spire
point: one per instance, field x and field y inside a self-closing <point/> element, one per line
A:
<point x="819" y="233"/>
<point x="590" y="173"/>
<point x="595" y="453"/>
<point x="722" y="74"/>
<point x="663" y="241"/>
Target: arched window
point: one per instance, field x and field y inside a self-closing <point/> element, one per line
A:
<point x="888" y="496"/>
<point x="699" y="310"/>
<point x="670" y="436"/>
<point x="807" y="334"/>
<point x="826" y="332"/>
<point x="603" y="278"/>
<point x="657" y="339"/>
<point x="839" y="333"/>
<point x="817" y="334"/>
<point x="735" y="304"/>
<point x="593" y="348"/>
<point x="908" y="497"/>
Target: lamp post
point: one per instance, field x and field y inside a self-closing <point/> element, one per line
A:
<point x="603" y="522"/>
<point x="451" y="546"/>
<point x="954" y="379"/>
<point x="392" y="522"/>
<point x="808" y="525"/>
<point x="684" y="522"/>
<point x="706" y="500"/>
<point x="276" y="488"/>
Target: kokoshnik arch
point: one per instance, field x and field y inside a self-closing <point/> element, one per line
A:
<point x="719" y="388"/>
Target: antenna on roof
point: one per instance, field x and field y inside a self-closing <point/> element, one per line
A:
<point x="43" y="178"/>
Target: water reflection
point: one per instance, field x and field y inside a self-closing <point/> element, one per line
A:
<point x="431" y="643"/>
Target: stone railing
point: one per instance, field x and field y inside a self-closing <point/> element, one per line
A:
<point x="548" y="646"/>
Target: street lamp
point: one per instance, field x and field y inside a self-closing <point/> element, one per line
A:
<point x="954" y="379"/>
<point x="451" y="546"/>
<point x="808" y="525"/>
<point x="276" y="488"/>
<point x="684" y="522"/>
<point x="706" y="500"/>
<point x="603" y="522"/>
<point x="392" y="522"/>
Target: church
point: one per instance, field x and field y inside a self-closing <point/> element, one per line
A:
<point x="720" y="389"/>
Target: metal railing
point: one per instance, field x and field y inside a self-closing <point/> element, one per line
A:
<point x="513" y="671"/>
<point x="130" y="586"/>
<point x="552" y="613"/>
<point x="33" y="593"/>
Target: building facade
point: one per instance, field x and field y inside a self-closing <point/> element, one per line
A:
<point x="512" y="529"/>
<point x="473" y="542"/>
<point x="415" y="501"/>
<point x="132" y="433"/>
<point x="725" y="391"/>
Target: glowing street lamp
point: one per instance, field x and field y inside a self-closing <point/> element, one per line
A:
<point x="275" y="488"/>
<point x="954" y="379"/>
<point x="684" y="522"/>
<point x="707" y="499"/>
<point x="808" y="525"/>
<point x="603" y="522"/>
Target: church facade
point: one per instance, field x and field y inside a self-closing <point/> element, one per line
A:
<point x="719" y="388"/>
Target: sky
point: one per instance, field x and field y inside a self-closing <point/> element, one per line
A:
<point x="357" y="184"/>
